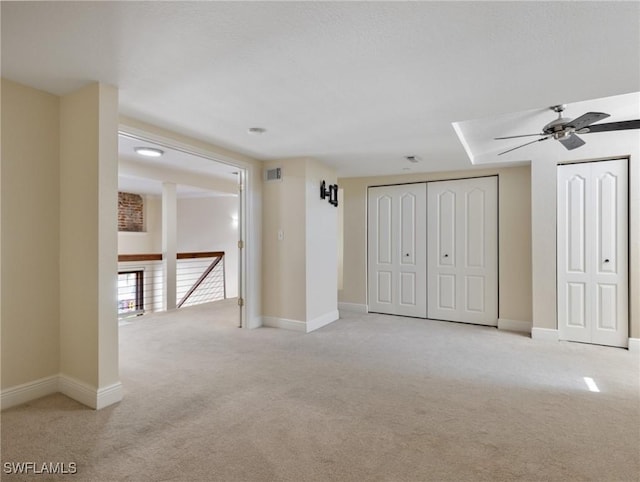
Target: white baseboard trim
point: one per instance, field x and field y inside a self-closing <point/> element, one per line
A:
<point x="26" y="392"/>
<point x="545" y="334"/>
<point x="79" y="391"/>
<point x="634" y="345"/>
<point x="514" y="325"/>
<point x="354" y="307"/>
<point x="322" y="320"/>
<point x="275" y="322"/>
<point x="297" y="325"/>
<point x="69" y="386"/>
<point x="109" y="395"/>
<point x="254" y="322"/>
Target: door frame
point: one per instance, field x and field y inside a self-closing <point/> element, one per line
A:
<point x="244" y="273"/>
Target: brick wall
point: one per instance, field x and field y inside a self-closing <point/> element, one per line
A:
<point x="130" y="212"/>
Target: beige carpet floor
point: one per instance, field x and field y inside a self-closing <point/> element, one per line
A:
<point x="369" y="397"/>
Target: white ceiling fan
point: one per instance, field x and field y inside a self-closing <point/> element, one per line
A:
<point x="565" y="130"/>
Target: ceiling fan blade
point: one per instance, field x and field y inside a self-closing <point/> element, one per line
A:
<point x="532" y="142"/>
<point x="585" y="119"/>
<point x="613" y="126"/>
<point x="572" y="142"/>
<point x="514" y="137"/>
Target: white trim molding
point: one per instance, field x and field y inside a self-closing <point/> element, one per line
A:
<point x="254" y="322"/>
<point x="69" y="386"/>
<point x="26" y="392"/>
<point x="109" y="395"/>
<point x="322" y="320"/>
<point x="79" y="391"/>
<point x="544" y="334"/>
<point x="353" y="307"/>
<point x="297" y="325"/>
<point x="514" y="325"/>
<point x="275" y="322"/>
<point x="634" y="345"/>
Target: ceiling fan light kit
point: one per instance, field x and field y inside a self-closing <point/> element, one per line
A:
<point x="564" y="129"/>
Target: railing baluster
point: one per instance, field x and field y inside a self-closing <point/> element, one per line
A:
<point x="152" y="281"/>
<point x="195" y="286"/>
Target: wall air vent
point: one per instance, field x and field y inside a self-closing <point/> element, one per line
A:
<point x="274" y="174"/>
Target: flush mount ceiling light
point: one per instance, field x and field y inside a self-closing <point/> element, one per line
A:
<point x="256" y="130"/>
<point x="148" y="151"/>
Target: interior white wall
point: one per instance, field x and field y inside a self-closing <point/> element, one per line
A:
<point x="321" y="248"/>
<point x="211" y="224"/>
<point x="543" y="245"/>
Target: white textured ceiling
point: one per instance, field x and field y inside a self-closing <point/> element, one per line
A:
<point x="357" y="85"/>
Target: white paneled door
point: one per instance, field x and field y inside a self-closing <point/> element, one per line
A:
<point x="462" y="247"/>
<point x="397" y="255"/>
<point x="593" y="252"/>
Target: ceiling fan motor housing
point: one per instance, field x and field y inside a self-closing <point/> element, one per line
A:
<point x="558" y="127"/>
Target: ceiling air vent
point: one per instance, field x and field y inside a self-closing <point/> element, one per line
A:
<point x="274" y="174"/>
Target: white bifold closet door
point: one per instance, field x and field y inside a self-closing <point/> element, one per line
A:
<point x="462" y="247"/>
<point x="593" y="252"/>
<point x="397" y="255"/>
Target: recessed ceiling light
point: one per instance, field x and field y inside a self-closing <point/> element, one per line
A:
<point x="256" y="130"/>
<point x="148" y="151"/>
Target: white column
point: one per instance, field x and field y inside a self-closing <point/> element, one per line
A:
<point x="169" y="244"/>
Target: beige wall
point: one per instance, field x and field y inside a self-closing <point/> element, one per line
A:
<point x="59" y="219"/>
<point x="30" y="231"/>
<point x="88" y="235"/>
<point x="299" y="272"/>
<point x="514" y="235"/>
<point x="283" y="267"/>
<point x="59" y="239"/>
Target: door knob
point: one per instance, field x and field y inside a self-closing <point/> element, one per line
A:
<point x="446" y="255"/>
<point x="606" y="260"/>
<point x="407" y="254"/>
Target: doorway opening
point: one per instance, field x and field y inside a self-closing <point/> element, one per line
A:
<point x="185" y="247"/>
